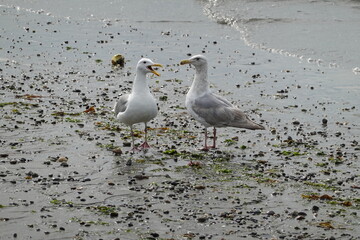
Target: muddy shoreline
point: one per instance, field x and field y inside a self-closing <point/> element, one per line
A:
<point x="67" y="171"/>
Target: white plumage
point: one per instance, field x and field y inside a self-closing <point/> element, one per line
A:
<point x="140" y="105"/>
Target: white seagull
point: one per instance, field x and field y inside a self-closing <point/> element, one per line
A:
<point x="210" y="109"/>
<point x="140" y="105"/>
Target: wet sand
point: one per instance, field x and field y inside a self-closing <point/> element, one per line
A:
<point x="65" y="163"/>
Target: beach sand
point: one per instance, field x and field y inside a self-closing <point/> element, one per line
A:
<point x="66" y="167"/>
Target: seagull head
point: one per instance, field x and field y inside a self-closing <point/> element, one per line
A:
<point x="145" y="65"/>
<point x="198" y="61"/>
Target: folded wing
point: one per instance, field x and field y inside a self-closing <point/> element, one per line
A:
<point x="121" y="104"/>
<point x="219" y="112"/>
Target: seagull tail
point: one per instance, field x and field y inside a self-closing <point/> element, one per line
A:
<point x="243" y="121"/>
<point x="256" y="126"/>
<point x="248" y="125"/>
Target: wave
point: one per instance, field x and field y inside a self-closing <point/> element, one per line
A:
<point x="300" y="29"/>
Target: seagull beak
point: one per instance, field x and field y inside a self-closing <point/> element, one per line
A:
<point x="152" y="70"/>
<point x="183" y="62"/>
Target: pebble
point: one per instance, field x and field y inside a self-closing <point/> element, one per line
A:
<point x="64" y="164"/>
<point x="32" y="174"/>
<point x="202" y="219"/>
<point x="13" y="162"/>
<point x="155" y="235"/>
<point x="315" y="209"/>
<point x="296" y="122"/>
<point x="117" y="151"/>
<point x="199" y="187"/>
<point x="141" y="177"/>
<point x="62" y="159"/>
<point x="270" y="213"/>
<point x="300" y="217"/>
<point x="114" y="214"/>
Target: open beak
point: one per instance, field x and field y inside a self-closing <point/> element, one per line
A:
<point x="183" y="62"/>
<point x="152" y="70"/>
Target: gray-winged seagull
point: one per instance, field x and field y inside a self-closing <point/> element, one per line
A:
<point x="210" y="109"/>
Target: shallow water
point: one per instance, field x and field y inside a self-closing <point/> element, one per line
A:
<point x="319" y="32"/>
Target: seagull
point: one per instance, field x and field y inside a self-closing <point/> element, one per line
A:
<point x="140" y="105"/>
<point x="210" y="109"/>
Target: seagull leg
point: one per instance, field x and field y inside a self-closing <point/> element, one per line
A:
<point x="132" y="138"/>
<point x="205" y="148"/>
<point x="214" y="140"/>
<point x="145" y="145"/>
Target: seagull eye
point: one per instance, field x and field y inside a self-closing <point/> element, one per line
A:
<point x="144" y="62"/>
<point x="197" y="59"/>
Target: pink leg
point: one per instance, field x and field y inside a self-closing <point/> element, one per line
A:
<point x="133" y="142"/>
<point x="214" y="140"/>
<point x="145" y="145"/>
<point x="205" y="148"/>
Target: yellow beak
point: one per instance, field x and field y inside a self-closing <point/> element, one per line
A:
<point x="183" y="62"/>
<point x="155" y="65"/>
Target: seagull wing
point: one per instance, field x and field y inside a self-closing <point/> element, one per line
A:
<point x="219" y="112"/>
<point x="213" y="109"/>
<point x="121" y="104"/>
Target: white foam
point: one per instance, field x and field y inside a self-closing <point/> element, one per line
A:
<point x="356" y="70"/>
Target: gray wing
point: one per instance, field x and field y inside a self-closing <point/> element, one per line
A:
<point x="219" y="112"/>
<point x="121" y="104"/>
<point x="211" y="100"/>
<point x="213" y="109"/>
